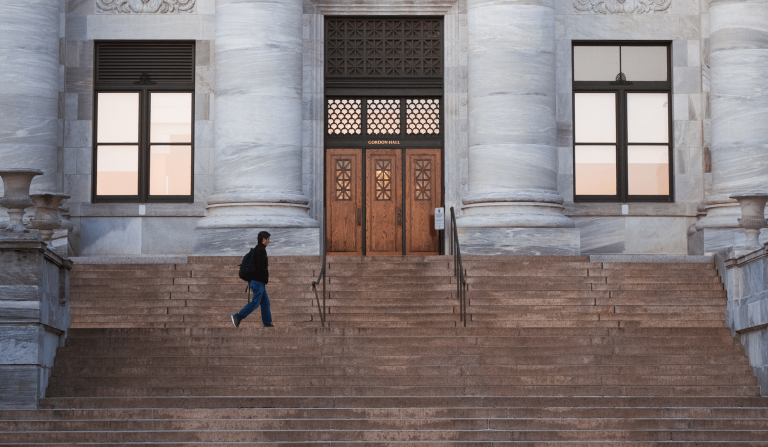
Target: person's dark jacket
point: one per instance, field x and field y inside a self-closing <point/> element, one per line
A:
<point x="262" y="263"/>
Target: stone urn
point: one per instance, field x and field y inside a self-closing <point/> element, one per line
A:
<point x="752" y="216"/>
<point x="16" y="196"/>
<point x="47" y="213"/>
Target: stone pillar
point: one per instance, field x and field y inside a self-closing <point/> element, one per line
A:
<point x="739" y="98"/>
<point x="258" y="110"/>
<point x="29" y="92"/>
<point x="512" y="204"/>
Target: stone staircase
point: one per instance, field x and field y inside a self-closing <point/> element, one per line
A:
<point x="558" y="351"/>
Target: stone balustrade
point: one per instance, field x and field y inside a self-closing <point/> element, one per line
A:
<point x="34" y="318"/>
<point x="745" y="276"/>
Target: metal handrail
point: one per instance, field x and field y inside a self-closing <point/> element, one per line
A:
<point x="458" y="268"/>
<point x="321" y="276"/>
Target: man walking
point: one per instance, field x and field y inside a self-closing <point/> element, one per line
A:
<point x="260" y="297"/>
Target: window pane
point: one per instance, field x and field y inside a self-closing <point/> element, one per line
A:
<point x="595" y="117"/>
<point x="595" y="63"/>
<point x="648" y="117"/>
<point x="118" y="118"/>
<point x="595" y="170"/>
<point x="644" y="63"/>
<point x="648" y="170"/>
<point x="117" y="170"/>
<point x="171" y="117"/>
<point x="170" y="170"/>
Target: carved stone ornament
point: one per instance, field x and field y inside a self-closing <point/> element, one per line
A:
<point x="622" y="6"/>
<point x="144" y="6"/>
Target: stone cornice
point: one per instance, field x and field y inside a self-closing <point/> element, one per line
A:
<point x="622" y="6"/>
<point x="144" y="6"/>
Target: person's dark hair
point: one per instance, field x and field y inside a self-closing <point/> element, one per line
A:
<point x="262" y="235"/>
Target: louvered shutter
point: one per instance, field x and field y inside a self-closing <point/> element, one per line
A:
<point x="160" y="63"/>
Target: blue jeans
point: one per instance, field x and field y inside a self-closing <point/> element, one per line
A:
<point x="259" y="298"/>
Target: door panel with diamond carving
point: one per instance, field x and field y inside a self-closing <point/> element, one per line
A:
<point x="423" y="193"/>
<point x="345" y="201"/>
<point x="384" y="206"/>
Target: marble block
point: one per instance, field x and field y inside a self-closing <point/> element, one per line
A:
<point x="110" y="235"/>
<point x="657" y="235"/>
<point x="519" y="241"/>
<point x="237" y="241"/>
<point x="716" y="239"/>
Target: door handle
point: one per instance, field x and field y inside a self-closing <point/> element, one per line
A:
<point x="399" y="217"/>
<point x="359" y="217"/>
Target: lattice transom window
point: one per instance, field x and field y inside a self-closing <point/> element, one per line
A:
<point x="383" y="116"/>
<point x="344" y="117"/>
<point x="343" y="179"/>
<point x="347" y="118"/>
<point x="423" y="116"/>
<point x="384" y="48"/>
<point x="383" y="180"/>
<point x="423" y="179"/>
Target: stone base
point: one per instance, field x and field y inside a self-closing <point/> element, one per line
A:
<point x="22" y="386"/>
<point x="519" y="241"/>
<point x="716" y="239"/>
<point x="237" y="241"/>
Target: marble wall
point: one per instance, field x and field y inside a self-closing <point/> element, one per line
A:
<point x="604" y="228"/>
<point x="98" y="224"/>
<point x="641" y="227"/>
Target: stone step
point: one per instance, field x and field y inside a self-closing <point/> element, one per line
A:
<point x="597" y="314"/>
<point x="554" y="359"/>
<point x="658" y="286"/>
<point x="679" y="294"/>
<point x="672" y="403"/>
<point x="399" y="390"/>
<point x="695" y="414"/>
<point x="228" y="359"/>
<point x="238" y="259"/>
<point x="610" y="308"/>
<point x="280" y="340"/>
<point x="712" y="324"/>
<point x="397" y="272"/>
<point x="379" y="377"/>
<point x="462" y="422"/>
<point x="365" y="333"/>
<point x="374" y="437"/>
<point x="675" y="272"/>
<point x="121" y="282"/>
<point x="110" y="304"/>
<point x="470" y="264"/>
<point x="499" y="304"/>
<point x="390" y="347"/>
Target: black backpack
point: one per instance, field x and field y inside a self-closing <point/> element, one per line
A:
<point x="248" y="266"/>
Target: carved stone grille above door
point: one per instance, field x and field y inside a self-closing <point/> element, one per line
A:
<point x="384" y="47"/>
<point x="366" y="52"/>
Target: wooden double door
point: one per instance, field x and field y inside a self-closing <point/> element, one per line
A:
<point x="382" y="201"/>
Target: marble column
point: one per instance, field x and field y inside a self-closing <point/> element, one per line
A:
<point x="29" y="89"/>
<point x="739" y="107"/>
<point x="258" y="159"/>
<point x="512" y="205"/>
